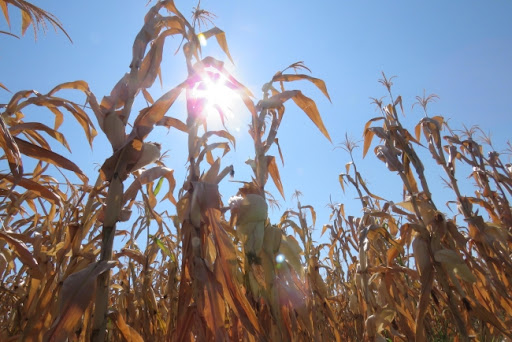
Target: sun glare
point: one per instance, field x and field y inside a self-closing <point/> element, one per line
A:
<point x="220" y="99"/>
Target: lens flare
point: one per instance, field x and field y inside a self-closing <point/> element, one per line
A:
<point x="219" y="98"/>
<point x="280" y="258"/>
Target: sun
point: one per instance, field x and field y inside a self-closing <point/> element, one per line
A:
<point x="219" y="99"/>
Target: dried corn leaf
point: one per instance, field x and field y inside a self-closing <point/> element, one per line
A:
<point x="23" y="253"/>
<point x="225" y="275"/>
<point x="29" y="126"/>
<point x="149" y="116"/>
<point x="26" y="20"/>
<point x="274" y="173"/>
<point x="309" y="107"/>
<point x="11" y="150"/>
<point x="368" y="136"/>
<point x="150" y="66"/>
<point x="79" y="85"/>
<point x="169" y="122"/>
<point x="129" y="334"/>
<point x="3" y="5"/>
<point x="37" y="188"/>
<point x="75" y="296"/>
<point x="320" y="84"/>
<point x="221" y="40"/>
<point x="2" y="85"/>
<point x="48" y="156"/>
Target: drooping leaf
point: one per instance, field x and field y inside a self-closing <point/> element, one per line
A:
<point x="274" y="173"/>
<point x="27" y="126"/>
<point x="5" y="10"/>
<point x="26" y="20"/>
<point x="35" y="187"/>
<point x="11" y="150"/>
<point x="309" y="107"/>
<point x="75" y="296"/>
<point x="150" y="66"/>
<point x="169" y="122"/>
<point x="312" y="211"/>
<point x="147" y="96"/>
<point x="129" y="334"/>
<point x="149" y="116"/>
<point x="147" y="33"/>
<point x="79" y="85"/>
<point x="223" y="134"/>
<point x="42" y="154"/>
<point x="320" y="84"/>
<point x="162" y="246"/>
<point x="233" y="293"/>
<point x="221" y="40"/>
<point x="148" y="176"/>
<point x="22" y="251"/>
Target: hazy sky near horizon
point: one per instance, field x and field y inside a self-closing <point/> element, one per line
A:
<point x="459" y="50"/>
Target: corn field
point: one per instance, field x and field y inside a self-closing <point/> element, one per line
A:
<point x="224" y="271"/>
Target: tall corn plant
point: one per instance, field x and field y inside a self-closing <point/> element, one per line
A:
<point x="272" y="266"/>
<point x="454" y="287"/>
<point x="109" y="202"/>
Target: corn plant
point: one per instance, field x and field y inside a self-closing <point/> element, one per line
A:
<point x="453" y="288"/>
<point x="211" y="271"/>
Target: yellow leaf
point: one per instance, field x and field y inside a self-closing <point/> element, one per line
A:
<point x="172" y="122"/>
<point x="274" y="173"/>
<point x="3" y="4"/>
<point x="294" y="77"/>
<point x="79" y="85"/>
<point x="368" y="136"/>
<point x="340" y="178"/>
<point x="309" y="107"/>
<point x="26" y="20"/>
<point x="149" y="116"/>
<point x="221" y="40"/>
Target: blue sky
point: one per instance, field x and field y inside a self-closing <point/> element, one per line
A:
<point x="461" y="51"/>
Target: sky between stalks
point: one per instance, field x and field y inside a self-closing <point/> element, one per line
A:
<point x="461" y="51"/>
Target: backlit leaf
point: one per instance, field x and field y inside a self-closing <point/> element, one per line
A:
<point x="149" y="116"/>
<point x="368" y="136"/>
<point x="309" y="107"/>
<point x="42" y="127"/>
<point x="79" y="85"/>
<point x="42" y="154"/>
<point x="274" y="173"/>
<point x="221" y="40"/>
<point x="162" y="246"/>
<point x="295" y="77"/>
<point x="26" y="20"/>
<point x="5" y="10"/>
<point x="147" y="96"/>
<point x="148" y="176"/>
<point x="169" y="122"/>
<point x="158" y="186"/>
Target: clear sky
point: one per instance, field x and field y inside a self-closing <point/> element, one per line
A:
<point x="459" y="50"/>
